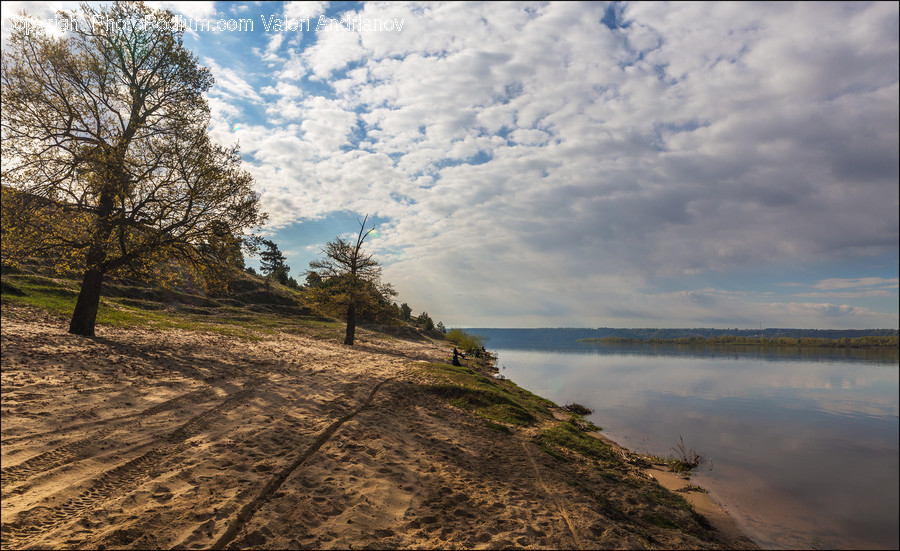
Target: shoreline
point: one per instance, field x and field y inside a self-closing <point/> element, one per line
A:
<point x="158" y="439"/>
<point x="714" y="512"/>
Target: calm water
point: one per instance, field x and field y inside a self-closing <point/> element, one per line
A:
<point x="804" y="446"/>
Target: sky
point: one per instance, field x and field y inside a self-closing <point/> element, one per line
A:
<point x="727" y="165"/>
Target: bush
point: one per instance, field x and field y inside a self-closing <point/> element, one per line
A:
<point x="425" y="321"/>
<point x="685" y="459"/>
<point x="578" y="409"/>
<point x="467" y="342"/>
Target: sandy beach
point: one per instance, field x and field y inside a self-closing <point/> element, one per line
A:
<point x="145" y="439"/>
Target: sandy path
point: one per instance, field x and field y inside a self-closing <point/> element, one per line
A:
<point x="147" y="439"/>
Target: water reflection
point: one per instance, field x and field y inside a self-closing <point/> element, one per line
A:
<point x="805" y="445"/>
<point x="885" y="356"/>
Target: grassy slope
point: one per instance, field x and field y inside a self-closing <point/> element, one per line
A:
<point x="507" y="408"/>
<point x="244" y="311"/>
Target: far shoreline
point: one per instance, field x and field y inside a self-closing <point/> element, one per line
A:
<point x="852" y="343"/>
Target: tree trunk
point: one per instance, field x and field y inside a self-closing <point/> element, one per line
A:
<point x="85" y="315"/>
<point x="351" y="324"/>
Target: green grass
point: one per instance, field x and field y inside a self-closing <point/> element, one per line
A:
<point x="566" y="435"/>
<point x="56" y="296"/>
<point x="125" y="304"/>
<point x="660" y="520"/>
<point x="643" y="501"/>
<point x="489" y="404"/>
<point x="502" y="401"/>
<point x="685" y="459"/>
<point x="494" y="400"/>
<point x="668" y="499"/>
<point x="584" y="425"/>
<point x="554" y="454"/>
<point x="498" y="427"/>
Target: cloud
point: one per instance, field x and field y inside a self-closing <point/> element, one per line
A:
<point x="838" y="283"/>
<point x="846" y="295"/>
<point x="333" y="50"/>
<point x="190" y="10"/>
<point x="535" y="163"/>
<point x="689" y="139"/>
<point x="45" y="12"/>
<point x="304" y="10"/>
<point x="230" y="84"/>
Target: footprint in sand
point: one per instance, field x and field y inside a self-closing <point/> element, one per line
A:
<point x="162" y="494"/>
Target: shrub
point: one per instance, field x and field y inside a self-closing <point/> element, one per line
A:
<point x="685" y="459"/>
<point x="463" y="340"/>
<point x="578" y="409"/>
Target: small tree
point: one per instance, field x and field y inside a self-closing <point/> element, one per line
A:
<point x="313" y="280"/>
<point x="272" y="263"/>
<point x="405" y="312"/>
<point x="351" y="276"/>
<point x="425" y="321"/>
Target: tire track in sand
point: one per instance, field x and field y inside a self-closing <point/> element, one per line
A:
<point x="559" y="507"/>
<point x="114" y="482"/>
<point x="247" y="511"/>
<point x="74" y="451"/>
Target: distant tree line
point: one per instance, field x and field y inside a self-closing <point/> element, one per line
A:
<point x="733" y="340"/>
<point x="569" y="337"/>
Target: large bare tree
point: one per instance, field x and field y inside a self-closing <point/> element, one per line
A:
<point x="351" y="277"/>
<point x="107" y="161"/>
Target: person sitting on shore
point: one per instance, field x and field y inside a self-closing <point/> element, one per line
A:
<point x="456" y="357"/>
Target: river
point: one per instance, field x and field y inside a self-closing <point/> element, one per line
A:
<point x="802" y="444"/>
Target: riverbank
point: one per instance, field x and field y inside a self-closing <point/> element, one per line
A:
<point x="862" y="343"/>
<point x="145" y="439"/>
